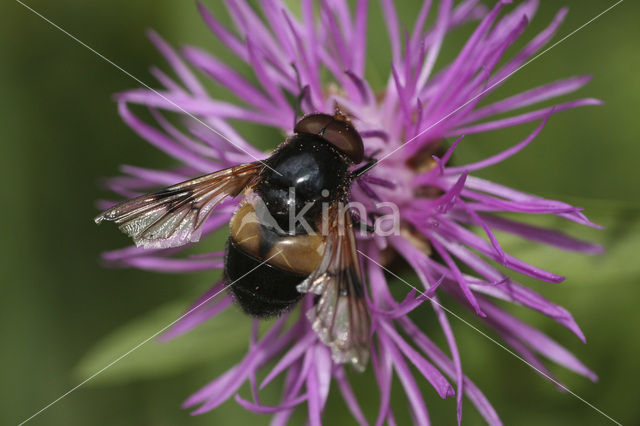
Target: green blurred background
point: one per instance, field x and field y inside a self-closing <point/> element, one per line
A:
<point x="63" y="316"/>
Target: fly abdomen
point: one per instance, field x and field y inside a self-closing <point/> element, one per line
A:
<point x="268" y="288"/>
<point x="261" y="290"/>
<point x="300" y="254"/>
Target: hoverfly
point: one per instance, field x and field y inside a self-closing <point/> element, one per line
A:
<point x="307" y="174"/>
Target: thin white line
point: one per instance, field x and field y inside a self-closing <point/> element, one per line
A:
<point x="142" y="343"/>
<point x="495" y="341"/>
<point x="142" y="83"/>
<point x="495" y="84"/>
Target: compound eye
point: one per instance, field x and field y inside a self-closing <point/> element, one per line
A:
<point x="338" y="133"/>
<point x="313" y="124"/>
<point x="346" y="138"/>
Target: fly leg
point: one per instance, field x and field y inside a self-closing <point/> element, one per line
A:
<point x="371" y="161"/>
<point x="364" y="226"/>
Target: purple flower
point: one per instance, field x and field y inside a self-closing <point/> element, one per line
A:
<point x="324" y="52"/>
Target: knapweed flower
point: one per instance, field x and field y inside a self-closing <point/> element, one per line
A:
<point x="447" y="217"/>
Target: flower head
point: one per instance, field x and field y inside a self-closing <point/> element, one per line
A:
<point x="318" y="60"/>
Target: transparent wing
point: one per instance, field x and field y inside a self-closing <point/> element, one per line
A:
<point x="340" y="316"/>
<point x="174" y="216"/>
